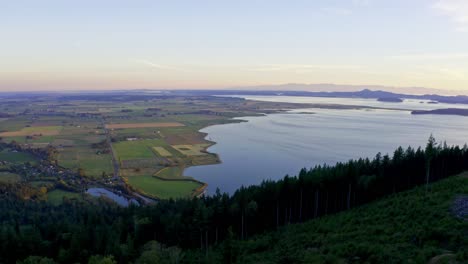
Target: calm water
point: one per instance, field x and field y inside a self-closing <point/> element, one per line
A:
<point x="272" y="146"/>
<point x="406" y="104"/>
<point x="121" y="200"/>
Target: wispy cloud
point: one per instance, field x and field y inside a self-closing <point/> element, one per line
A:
<point x="157" y="66"/>
<point x="457" y="10"/>
<point x="302" y="67"/>
<point x="431" y="56"/>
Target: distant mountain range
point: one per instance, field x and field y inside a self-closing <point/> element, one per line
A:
<point x="366" y="93"/>
<point x="328" y="87"/>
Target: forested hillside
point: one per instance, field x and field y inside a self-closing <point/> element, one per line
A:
<point x="409" y="227"/>
<point x="77" y="230"/>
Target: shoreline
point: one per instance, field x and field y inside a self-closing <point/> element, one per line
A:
<point x="234" y="120"/>
<point x="238" y="119"/>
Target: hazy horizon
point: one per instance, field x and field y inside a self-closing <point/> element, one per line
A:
<point x="324" y="87"/>
<point x="98" y="45"/>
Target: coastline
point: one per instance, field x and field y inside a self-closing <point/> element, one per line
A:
<point x="293" y="107"/>
<point x="234" y="120"/>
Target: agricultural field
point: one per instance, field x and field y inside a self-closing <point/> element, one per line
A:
<point x="46" y="184"/>
<point x="8" y="177"/>
<point x="16" y="157"/>
<point x="33" y="131"/>
<point x="144" y="139"/>
<point x="144" y="125"/>
<point x="137" y="149"/>
<point x="75" y="148"/>
<point x="163" y="189"/>
<point x="171" y="173"/>
<point x="56" y="196"/>
<point x="93" y="165"/>
<point x="192" y="150"/>
<point x="161" y="151"/>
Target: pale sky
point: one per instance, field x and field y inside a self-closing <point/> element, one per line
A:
<point x="116" y="44"/>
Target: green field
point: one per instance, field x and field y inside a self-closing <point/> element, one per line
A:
<point x="45" y="130"/>
<point x="8" y="177"/>
<point x="75" y="150"/>
<point x="41" y="183"/>
<point x="16" y="157"/>
<point x="87" y="159"/>
<point x="161" y="188"/>
<point x="171" y="173"/>
<point x="24" y="139"/>
<point x="56" y="196"/>
<point x="139" y="149"/>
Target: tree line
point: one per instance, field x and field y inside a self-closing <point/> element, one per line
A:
<point x="76" y="230"/>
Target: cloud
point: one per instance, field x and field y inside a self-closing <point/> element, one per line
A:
<point x="431" y="56"/>
<point x="302" y="67"/>
<point x="457" y="10"/>
<point x="157" y="66"/>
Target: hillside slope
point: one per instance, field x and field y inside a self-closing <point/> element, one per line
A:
<point x="409" y="227"/>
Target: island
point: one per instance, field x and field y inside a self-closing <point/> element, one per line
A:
<point x="390" y="99"/>
<point x="444" y="111"/>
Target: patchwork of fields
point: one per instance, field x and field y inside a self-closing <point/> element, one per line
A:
<point x="146" y="140"/>
<point x="165" y="163"/>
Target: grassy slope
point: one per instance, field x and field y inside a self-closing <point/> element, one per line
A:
<point x="408" y="227"/>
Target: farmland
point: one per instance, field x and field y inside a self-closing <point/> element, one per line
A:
<point x="8" y="177"/>
<point x="162" y="152"/>
<point x="141" y="143"/>
<point x="138" y="149"/>
<point x="144" y="125"/>
<point x="10" y="155"/>
<point x="56" y="197"/>
<point x="163" y="189"/>
<point x="33" y="131"/>
<point x="192" y="150"/>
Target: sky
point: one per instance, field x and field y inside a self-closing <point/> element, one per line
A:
<point x="116" y="44"/>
